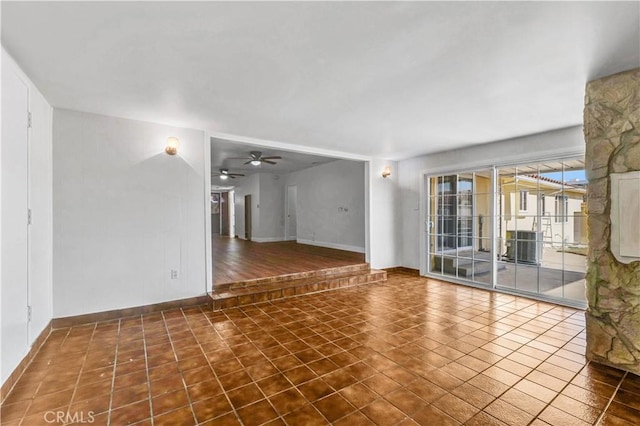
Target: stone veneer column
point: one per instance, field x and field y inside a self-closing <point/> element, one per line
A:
<point x="612" y="134"/>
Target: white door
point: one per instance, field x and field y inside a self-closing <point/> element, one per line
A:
<point x="14" y="191"/>
<point x="292" y="223"/>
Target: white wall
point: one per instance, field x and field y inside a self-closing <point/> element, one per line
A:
<point x="271" y="209"/>
<point x="554" y="144"/>
<point x="331" y="204"/>
<point x="384" y="209"/>
<point x="125" y="213"/>
<point x="39" y="234"/>
<point x="267" y="199"/>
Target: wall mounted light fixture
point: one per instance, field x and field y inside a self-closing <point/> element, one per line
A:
<point x="172" y="145"/>
<point x="386" y="172"/>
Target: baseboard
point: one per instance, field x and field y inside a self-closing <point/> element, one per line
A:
<point x="403" y="270"/>
<point x="129" y="312"/>
<point x="332" y="245"/>
<point x="267" y="239"/>
<point x="17" y="372"/>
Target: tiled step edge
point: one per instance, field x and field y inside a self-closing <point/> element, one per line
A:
<point x="247" y="296"/>
<point x="361" y="267"/>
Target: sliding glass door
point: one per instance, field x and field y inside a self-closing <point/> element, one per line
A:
<point x="518" y="228"/>
<point x="458" y="229"/>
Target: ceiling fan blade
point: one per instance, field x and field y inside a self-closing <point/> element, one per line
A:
<point x="235" y="174"/>
<point x="248" y="162"/>
<point x="268" y="162"/>
<point x="277" y="157"/>
<point x="237" y="158"/>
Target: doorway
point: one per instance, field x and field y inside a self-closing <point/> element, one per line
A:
<point x="216" y="225"/>
<point x="222" y="214"/>
<point x="459" y="237"/>
<point x="247" y="217"/>
<point x="518" y="228"/>
<point x="291" y="223"/>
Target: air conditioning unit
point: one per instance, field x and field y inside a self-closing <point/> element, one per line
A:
<point x="524" y="246"/>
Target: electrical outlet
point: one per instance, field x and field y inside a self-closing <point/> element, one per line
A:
<point x="174" y="274"/>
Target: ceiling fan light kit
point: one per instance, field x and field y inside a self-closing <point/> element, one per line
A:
<point x="256" y="159"/>
<point x="224" y="174"/>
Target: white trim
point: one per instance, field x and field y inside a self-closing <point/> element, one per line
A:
<point x="266" y="239"/>
<point x="494" y="226"/>
<point x="555" y="155"/>
<point x="332" y="245"/>
<point x="367" y="211"/>
<point x="287" y="146"/>
<point x="208" y="248"/>
<point x="425" y="264"/>
<point x="563" y="151"/>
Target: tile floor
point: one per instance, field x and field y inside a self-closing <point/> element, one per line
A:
<point x="409" y="351"/>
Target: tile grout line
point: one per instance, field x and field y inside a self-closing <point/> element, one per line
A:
<point x="5" y="396"/>
<point x="290" y="353"/>
<point x="75" y="388"/>
<point x="175" y="356"/>
<point x="545" y="360"/>
<point x="294" y="386"/>
<point x="604" y="411"/>
<point x="113" y="376"/>
<point x="566" y="385"/>
<point x="329" y="315"/>
<point x="146" y="365"/>
<point x="35" y="392"/>
<point x="224" y="391"/>
<point x="551" y="326"/>
<point x="522" y="345"/>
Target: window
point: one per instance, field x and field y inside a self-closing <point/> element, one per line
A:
<point x="562" y="208"/>
<point x="543" y="204"/>
<point x="523" y="200"/>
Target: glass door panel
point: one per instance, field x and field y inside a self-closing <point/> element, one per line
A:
<point x="541" y="235"/>
<point x="459" y="226"/>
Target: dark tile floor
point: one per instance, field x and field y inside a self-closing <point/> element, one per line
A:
<point x="409" y="351"/>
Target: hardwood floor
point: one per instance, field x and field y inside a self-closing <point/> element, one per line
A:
<point x="237" y="260"/>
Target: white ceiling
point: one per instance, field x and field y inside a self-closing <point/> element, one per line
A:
<point x="380" y="79"/>
<point x="223" y="152"/>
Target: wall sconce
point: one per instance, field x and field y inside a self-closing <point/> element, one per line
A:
<point x="172" y="145"/>
<point x="386" y="172"/>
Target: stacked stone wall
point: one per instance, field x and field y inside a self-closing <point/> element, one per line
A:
<point x="612" y="135"/>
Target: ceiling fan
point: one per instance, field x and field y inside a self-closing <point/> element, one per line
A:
<point x="224" y="174"/>
<point x="255" y="158"/>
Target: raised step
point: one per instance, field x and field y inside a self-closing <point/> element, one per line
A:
<point x="320" y="273"/>
<point x="239" y="295"/>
